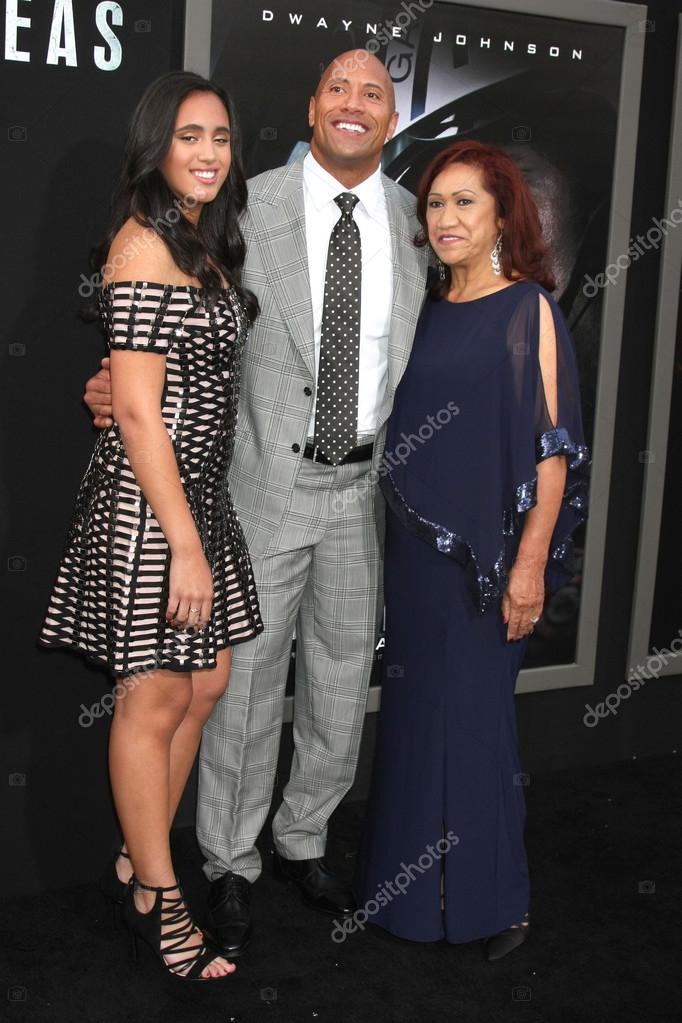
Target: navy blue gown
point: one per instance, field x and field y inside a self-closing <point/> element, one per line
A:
<point x="469" y="425"/>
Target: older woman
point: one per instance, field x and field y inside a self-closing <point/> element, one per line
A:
<point x="484" y="475"/>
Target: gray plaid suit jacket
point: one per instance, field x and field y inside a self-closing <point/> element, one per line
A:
<point x="278" y="369"/>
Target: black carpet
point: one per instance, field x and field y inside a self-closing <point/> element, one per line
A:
<point x="604" y="853"/>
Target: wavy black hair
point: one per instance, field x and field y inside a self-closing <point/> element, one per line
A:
<point x="216" y="245"/>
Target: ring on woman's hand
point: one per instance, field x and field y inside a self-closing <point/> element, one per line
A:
<point x="533" y="621"/>
<point x="195" y="611"/>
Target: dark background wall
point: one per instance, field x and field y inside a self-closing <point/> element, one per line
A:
<point x="55" y="804"/>
<point x="63" y="129"/>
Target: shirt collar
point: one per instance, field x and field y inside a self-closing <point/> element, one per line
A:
<point x="323" y="188"/>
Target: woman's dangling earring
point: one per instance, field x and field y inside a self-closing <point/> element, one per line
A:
<point x="495" y="256"/>
<point x="441" y="271"/>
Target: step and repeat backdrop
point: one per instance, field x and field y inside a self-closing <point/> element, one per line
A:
<point x="70" y="77"/>
<point x="656" y="632"/>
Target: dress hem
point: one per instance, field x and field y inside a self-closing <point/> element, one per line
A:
<point x="488" y="586"/>
<point x="443" y="936"/>
<point x="101" y="662"/>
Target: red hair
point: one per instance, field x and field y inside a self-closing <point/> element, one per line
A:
<point x="524" y="252"/>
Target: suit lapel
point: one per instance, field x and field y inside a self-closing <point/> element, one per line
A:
<point x="279" y="226"/>
<point x="278" y="221"/>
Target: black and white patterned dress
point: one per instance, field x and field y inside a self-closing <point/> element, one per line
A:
<point x="111" y="594"/>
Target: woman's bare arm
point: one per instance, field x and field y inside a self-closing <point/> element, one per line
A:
<point x="525" y="594"/>
<point x="137" y="381"/>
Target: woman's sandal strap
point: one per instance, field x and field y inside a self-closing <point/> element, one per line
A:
<point x="173" y="911"/>
<point x="152" y="888"/>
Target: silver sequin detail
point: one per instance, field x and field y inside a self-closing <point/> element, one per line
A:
<point x="487" y="587"/>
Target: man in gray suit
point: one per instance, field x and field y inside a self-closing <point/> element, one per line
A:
<point x="308" y="517"/>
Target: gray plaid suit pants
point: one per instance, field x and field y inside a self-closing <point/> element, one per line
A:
<point x="321" y="577"/>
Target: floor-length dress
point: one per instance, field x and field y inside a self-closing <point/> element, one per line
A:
<point x="446" y="811"/>
<point x="111" y="593"/>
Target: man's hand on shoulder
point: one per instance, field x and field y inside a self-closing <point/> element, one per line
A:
<point x="98" y="397"/>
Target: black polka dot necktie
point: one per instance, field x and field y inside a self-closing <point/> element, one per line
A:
<point x="336" y="411"/>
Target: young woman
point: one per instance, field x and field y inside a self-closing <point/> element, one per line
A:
<point x="156" y="580"/>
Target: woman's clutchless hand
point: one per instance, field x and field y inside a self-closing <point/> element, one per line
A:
<point x="523" y="599"/>
<point x="191" y="591"/>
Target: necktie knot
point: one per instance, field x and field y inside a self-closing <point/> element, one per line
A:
<point x="346" y="202"/>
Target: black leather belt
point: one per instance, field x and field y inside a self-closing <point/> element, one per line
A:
<point x="360" y="454"/>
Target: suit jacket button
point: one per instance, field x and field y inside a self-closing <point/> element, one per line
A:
<point x="296" y="448"/>
<point x="308" y="390"/>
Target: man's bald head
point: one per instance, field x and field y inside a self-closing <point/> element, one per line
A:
<point x="352" y="115"/>
<point x="359" y="60"/>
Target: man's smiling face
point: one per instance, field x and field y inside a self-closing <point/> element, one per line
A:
<point x="352" y="115"/>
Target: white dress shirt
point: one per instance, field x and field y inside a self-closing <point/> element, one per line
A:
<point x="371" y="216"/>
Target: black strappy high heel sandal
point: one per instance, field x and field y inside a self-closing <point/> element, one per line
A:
<point x="168" y="929"/>
<point x="112" y="887"/>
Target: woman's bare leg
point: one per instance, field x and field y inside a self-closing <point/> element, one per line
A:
<point x="207" y="688"/>
<point x="145" y="722"/>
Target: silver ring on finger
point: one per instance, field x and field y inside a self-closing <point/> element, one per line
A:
<point x="534" y="621"/>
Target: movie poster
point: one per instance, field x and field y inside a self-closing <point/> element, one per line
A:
<point x="545" y="89"/>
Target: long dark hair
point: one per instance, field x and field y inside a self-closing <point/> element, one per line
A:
<point x="216" y="245"/>
<point x="524" y="252"/>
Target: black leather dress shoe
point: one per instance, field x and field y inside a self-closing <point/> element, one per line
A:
<point x="228" y="914"/>
<point x="499" y="945"/>
<point x="319" y="888"/>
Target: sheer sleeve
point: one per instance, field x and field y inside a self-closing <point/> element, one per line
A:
<point x="464" y="481"/>
<point x="143" y="317"/>
<point x="564" y="436"/>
